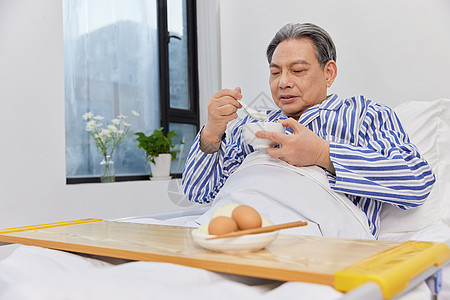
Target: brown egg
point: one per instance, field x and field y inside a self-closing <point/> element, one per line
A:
<point x="222" y="225"/>
<point x="246" y="217"/>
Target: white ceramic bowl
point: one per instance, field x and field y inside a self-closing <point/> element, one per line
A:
<point x="238" y="244"/>
<point x="249" y="130"/>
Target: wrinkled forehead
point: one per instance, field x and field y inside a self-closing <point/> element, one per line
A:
<point x="294" y="51"/>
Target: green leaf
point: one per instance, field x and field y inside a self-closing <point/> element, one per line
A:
<point x="157" y="143"/>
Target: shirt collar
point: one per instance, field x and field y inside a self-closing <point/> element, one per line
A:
<point x="333" y="102"/>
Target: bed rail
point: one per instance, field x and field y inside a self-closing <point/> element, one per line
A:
<point x="432" y="276"/>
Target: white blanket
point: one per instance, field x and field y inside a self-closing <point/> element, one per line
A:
<point x="284" y="193"/>
<point x="33" y="273"/>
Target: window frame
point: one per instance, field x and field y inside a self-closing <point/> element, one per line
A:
<point x="168" y="114"/>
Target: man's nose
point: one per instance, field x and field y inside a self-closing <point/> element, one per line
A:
<point x="285" y="80"/>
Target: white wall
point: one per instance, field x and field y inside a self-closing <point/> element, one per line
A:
<point x="390" y="51"/>
<point x="32" y="151"/>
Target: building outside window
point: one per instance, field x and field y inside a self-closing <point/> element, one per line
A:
<point x="124" y="55"/>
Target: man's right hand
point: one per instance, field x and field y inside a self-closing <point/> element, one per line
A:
<point x="222" y="109"/>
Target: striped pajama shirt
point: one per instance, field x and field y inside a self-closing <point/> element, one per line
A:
<point x="375" y="161"/>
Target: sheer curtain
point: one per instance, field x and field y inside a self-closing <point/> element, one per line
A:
<point x="209" y="67"/>
<point x="111" y="68"/>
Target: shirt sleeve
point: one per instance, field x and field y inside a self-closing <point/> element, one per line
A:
<point x="204" y="174"/>
<point x="383" y="165"/>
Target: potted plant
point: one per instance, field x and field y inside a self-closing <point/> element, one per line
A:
<point x="159" y="151"/>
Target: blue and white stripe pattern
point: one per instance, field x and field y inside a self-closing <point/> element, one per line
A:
<point x="374" y="160"/>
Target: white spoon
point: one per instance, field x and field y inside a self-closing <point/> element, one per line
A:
<point x="253" y="113"/>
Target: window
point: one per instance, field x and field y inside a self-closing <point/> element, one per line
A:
<point x="124" y="55"/>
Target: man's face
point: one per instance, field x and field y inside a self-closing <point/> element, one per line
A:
<point x="297" y="81"/>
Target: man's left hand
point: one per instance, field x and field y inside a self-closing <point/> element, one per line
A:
<point x="301" y="149"/>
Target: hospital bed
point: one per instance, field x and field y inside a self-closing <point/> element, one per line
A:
<point x="39" y="273"/>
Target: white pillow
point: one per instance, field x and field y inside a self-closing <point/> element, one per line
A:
<point x="428" y="126"/>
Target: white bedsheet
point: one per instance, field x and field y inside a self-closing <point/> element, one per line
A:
<point x="48" y="274"/>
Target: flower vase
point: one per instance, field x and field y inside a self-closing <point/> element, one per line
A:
<point x="107" y="170"/>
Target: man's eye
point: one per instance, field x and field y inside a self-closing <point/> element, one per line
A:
<point x="299" y="71"/>
<point x="274" y="73"/>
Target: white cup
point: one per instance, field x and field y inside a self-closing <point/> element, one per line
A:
<point x="249" y="130"/>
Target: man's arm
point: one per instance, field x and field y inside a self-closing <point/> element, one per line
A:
<point x="204" y="172"/>
<point x="198" y="181"/>
<point x="384" y="165"/>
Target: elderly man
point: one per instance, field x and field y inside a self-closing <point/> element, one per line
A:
<point x="360" y="144"/>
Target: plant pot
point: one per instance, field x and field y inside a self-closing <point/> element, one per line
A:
<point x="161" y="167"/>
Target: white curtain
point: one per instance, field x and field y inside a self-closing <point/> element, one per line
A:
<point x="208" y="36"/>
<point x="111" y="68"/>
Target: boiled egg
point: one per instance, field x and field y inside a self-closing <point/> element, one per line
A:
<point x="246" y="217"/>
<point x="222" y="225"/>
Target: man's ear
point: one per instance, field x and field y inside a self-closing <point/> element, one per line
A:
<point x="330" y="70"/>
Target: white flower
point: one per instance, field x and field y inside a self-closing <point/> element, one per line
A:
<point x="135" y="113"/>
<point x="112" y="128"/>
<point x="87" y="115"/>
<point x="106" y="132"/>
<point x="90" y="125"/>
<point x="106" y="139"/>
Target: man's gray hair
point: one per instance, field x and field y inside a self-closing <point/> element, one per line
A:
<point x="325" y="49"/>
